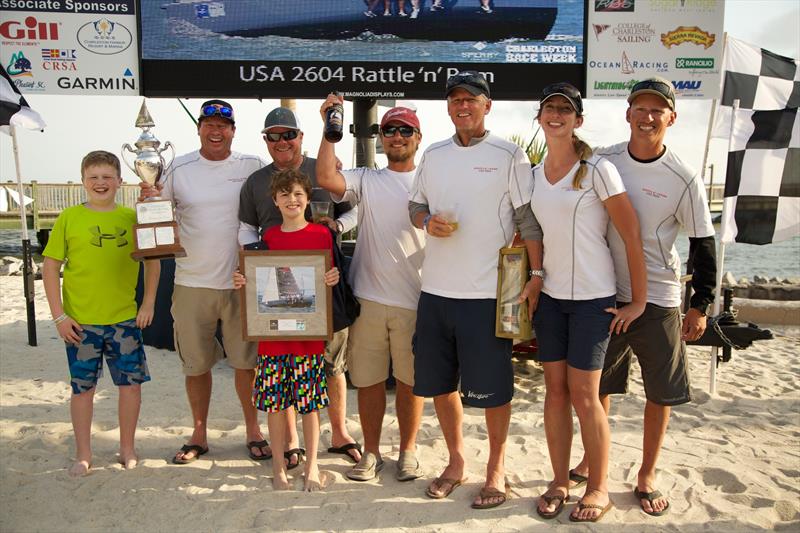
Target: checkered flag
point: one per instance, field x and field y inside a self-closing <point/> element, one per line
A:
<point x="14" y="110"/>
<point x="762" y="183"/>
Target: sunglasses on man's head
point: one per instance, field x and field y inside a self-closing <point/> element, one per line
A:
<point x="217" y="109"/>
<point x="405" y="131"/>
<point x="654" y="85"/>
<point x="286" y="136"/>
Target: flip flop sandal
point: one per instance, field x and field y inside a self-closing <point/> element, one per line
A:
<point x="650" y="496"/>
<point x="492" y="492"/>
<point x="442" y="482"/>
<point x="345" y="450"/>
<point x="549" y="500"/>
<point x="258" y="444"/>
<point x="186" y="448"/>
<point x="299" y="452"/>
<point x="578" y="479"/>
<point x="581" y="506"/>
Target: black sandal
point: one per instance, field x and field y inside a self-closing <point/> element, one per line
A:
<point x="299" y="452"/>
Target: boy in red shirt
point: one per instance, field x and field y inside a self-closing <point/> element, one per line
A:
<point x="291" y="372"/>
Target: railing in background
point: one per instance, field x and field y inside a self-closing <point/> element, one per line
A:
<point x="49" y="199"/>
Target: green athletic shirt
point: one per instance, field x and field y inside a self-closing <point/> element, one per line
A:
<point x="99" y="285"/>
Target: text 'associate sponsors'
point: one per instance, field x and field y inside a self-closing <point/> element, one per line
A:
<point x="121" y="7"/>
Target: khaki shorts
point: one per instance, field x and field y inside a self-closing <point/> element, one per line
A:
<point x="655" y="339"/>
<point x="196" y="312"/>
<point x="381" y="333"/>
<point x="335" y="351"/>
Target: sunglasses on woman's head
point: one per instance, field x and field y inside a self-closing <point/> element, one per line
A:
<point x="405" y="131"/>
<point x="286" y="136"/>
<point x="217" y="109"/>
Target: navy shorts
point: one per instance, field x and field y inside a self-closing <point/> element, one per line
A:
<point x="575" y="330"/>
<point x="455" y="339"/>
<point x="123" y="348"/>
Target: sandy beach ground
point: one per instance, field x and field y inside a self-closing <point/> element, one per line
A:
<point x="729" y="463"/>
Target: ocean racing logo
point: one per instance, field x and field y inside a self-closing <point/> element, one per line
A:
<point x="19" y="66"/>
<point x="614" y="5"/>
<point x="688" y="34"/>
<point x="104" y="37"/>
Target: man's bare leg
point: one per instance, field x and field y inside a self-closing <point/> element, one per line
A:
<point x="244" y="381"/>
<point x="198" y="390"/>
<point x="409" y="414"/>
<point x="371" y="409"/>
<point x="450" y="413"/>
<point x="656" y="420"/>
<point x="497" y="420"/>
<point x="337" y="413"/>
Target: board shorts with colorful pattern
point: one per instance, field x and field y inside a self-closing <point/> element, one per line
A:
<point x="122" y="346"/>
<point x="289" y="380"/>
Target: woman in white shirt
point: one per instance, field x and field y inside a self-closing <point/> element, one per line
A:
<point x="574" y="196"/>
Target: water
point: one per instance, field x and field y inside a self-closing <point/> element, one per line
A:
<point x="781" y="260"/>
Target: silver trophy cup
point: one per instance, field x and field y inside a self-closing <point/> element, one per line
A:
<point x="156" y="232"/>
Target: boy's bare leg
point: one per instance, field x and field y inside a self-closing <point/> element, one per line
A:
<point x="291" y="439"/>
<point x="277" y="431"/>
<point x="130" y="400"/>
<point x="311" y="439"/>
<point x="81" y="408"/>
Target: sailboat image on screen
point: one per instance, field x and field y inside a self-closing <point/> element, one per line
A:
<point x="282" y="289"/>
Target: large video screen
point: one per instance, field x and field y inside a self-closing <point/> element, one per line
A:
<point x="373" y="48"/>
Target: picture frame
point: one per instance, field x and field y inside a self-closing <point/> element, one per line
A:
<point x="511" y="320"/>
<point x="285" y="297"/>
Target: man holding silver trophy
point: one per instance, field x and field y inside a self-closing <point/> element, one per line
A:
<point x="204" y="186"/>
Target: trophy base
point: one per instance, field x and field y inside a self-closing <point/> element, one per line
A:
<point x="157" y="241"/>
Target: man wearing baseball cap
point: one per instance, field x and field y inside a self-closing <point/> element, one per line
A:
<point x="483" y="183"/>
<point x="257" y="211"/>
<point x="205" y="186"/>
<point x="668" y="196"/>
<point x="385" y="276"/>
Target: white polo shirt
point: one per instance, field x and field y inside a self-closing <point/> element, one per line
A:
<point x="487" y="181"/>
<point x="206" y="196"/>
<point x="666" y="194"/>
<point x="387" y="263"/>
<point x="577" y="260"/>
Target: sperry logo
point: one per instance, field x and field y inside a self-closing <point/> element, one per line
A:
<point x="98" y="236"/>
<point x="478" y="396"/>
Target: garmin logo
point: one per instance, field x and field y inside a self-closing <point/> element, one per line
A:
<point x="117" y="84"/>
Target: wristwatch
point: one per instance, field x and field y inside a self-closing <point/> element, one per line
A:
<point x="538" y="273"/>
<point x="425" y="221"/>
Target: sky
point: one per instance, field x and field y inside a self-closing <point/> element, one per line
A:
<point x="79" y="124"/>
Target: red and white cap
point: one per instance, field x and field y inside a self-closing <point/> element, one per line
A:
<point x="403" y="115"/>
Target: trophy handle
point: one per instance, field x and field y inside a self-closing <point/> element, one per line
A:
<point x="162" y="150"/>
<point x="129" y="148"/>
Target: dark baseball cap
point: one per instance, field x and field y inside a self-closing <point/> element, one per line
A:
<point x="281" y="117"/>
<point x="567" y="91"/>
<point x="469" y="80"/>
<point x="655" y="85"/>
<point x="216" y="108"/>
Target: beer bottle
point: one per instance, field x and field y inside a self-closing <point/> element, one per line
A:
<point x="334" y="122"/>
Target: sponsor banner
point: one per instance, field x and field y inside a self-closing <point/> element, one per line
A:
<point x="255" y="48"/>
<point x="70" y="46"/>
<point x="631" y="40"/>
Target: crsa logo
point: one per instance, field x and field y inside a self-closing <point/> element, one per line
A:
<point x="31" y="30"/>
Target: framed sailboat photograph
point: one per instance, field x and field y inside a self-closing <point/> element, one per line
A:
<point x="285" y="296"/>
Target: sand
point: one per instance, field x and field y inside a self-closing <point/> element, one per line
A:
<point x="729" y="463"/>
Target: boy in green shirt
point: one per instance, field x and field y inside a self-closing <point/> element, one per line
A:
<point x="98" y="314"/>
